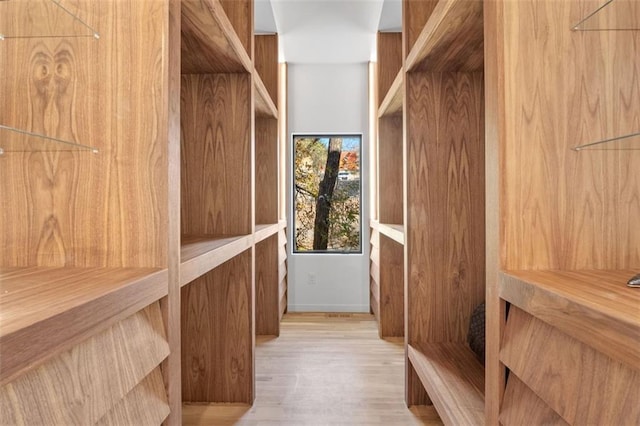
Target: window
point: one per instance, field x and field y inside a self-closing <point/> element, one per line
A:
<point x="327" y="193"/>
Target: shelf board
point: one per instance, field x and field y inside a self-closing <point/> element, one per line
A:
<point x="393" y="231"/>
<point x="210" y="44"/>
<point x="262" y="232"/>
<point x="392" y="102"/>
<point x="201" y="253"/>
<point x="19" y="140"/>
<point x="582" y="304"/>
<point x="454" y="380"/>
<point x="451" y="40"/>
<point x="44" y="311"/>
<point x="263" y="103"/>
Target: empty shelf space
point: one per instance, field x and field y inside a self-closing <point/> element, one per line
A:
<point x="453" y="379"/>
<point x="200" y="254"/>
<point x="59" y="307"/>
<point x="210" y="44"/>
<point x="263" y="104"/>
<point x="582" y="304"/>
<point x="451" y="40"/>
<point x="393" y="231"/>
<point x="392" y="102"/>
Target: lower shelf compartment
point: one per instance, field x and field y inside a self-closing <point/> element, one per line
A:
<point x="453" y="379"/>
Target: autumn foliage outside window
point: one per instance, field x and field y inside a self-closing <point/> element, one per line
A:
<point x="326" y="196"/>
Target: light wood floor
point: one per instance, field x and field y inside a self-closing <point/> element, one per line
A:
<point x="324" y="369"/>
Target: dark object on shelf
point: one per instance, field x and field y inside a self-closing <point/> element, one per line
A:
<point x="634" y="281"/>
<point x="475" y="337"/>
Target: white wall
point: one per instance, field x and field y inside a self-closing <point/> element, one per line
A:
<point x="329" y="99"/>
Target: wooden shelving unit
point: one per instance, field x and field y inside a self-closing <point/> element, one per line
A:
<point x="430" y="233"/>
<point x="559" y="257"/>
<point x="143" y="257"/>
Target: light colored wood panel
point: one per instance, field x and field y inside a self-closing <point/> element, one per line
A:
<point x="82" y="384"/>
<point x="391" y="292"/>
<point x="266" y="62"/>
<point x="77" y="209"/>
<point x="393" y="231"/>
<point x="201" y="254"/>
<point x="282" y="288"/>
<point x="283" y="136"/>
<point x="375" y="287"/>
<point x="374" y="270"/>
<point x="266" y="135"/>
<point x="216" y="154"/>
<point x="210" y="43"/>
<point x="240" y="14"/>
<point x="454" y="380"/>
<point x="267" y="288"/>
<point x="581" y="303"/>
<point x="445" y="204"/>
<point x="389" y="63"/>
<point x="375" y="235"/>
<point x="370" y="394"/>
<point x="60" y="307"/>
<point x="282" y="271"/>
<point x="415" y="14"/>
<point x="568" y="375"/>
<point x="145" y="405"/>
<point x="451" y="40"/>
<point x="494" y="137"/>
<point x="264" y="106"/>
<point x="262" y="232"/>
<point x="217" y="334"/>
<point x="391" y="104"/>
<point x="570" y="210"/>
<point x="283" y="305"/>
<point x="282" y="254"/>
<point x="390" y="169"/>
<point x="521" y="406"/>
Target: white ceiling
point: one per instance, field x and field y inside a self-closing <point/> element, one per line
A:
<point x="327" y="31"/>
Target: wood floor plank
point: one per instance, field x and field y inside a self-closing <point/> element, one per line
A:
<point x="323" y="369"/>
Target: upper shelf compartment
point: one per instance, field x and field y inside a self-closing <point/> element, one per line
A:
<point x="451" y="40"/>
<point x="612" y="15"/>
<point x="210" y="42"/>
<point x="17" y="18"/>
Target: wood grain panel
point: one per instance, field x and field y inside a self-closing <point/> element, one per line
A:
<point x="568" y="375"/>
<point x="210" y="41"/>
<point x="266" y="62"/>
<point x="390" y="136"/>
<point x="217" y="334"/>
<point x="389" y="61"/>
<point x="445" y="204"/>
<point x="454" y="379"/>
<point x="145" y="405"/>
<point x="581" y="303"/>
<point x="375" y="235"/>
<point x="80" y="209"/>
<point x="216" y="154"/>
<point x="374" y="269"/>
<point x="80" y="385"/>
<point x="266" y="135"/>
<point x="391" y="104"/>
<point x="267" y="288"/>
<point x="263" y="106"/>
<point x="60" y="307"/>
<point x="521" y="406"/>
<point x="415" y="14"/>
<point x="283" y="304"/>
<point x="240" y="14"/>
<point x="570" y="210"/>
<point x="200" y="254"/>
<point x="452" y="39"/>
<point x="391" y="282"/>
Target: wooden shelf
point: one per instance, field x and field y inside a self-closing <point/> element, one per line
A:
<point x="582" y="304"/>
<point x="209" y="42"/>
<point x="454" y="380"/>
<point x="60" y="307"/>
<point x="265" y="108"/>
<point x="451" y="40"/>
<point x="262" y="232"/>
<point x="395" y="232"/>
<point x="200" y="254"/>
<point x="392" y="102"/>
